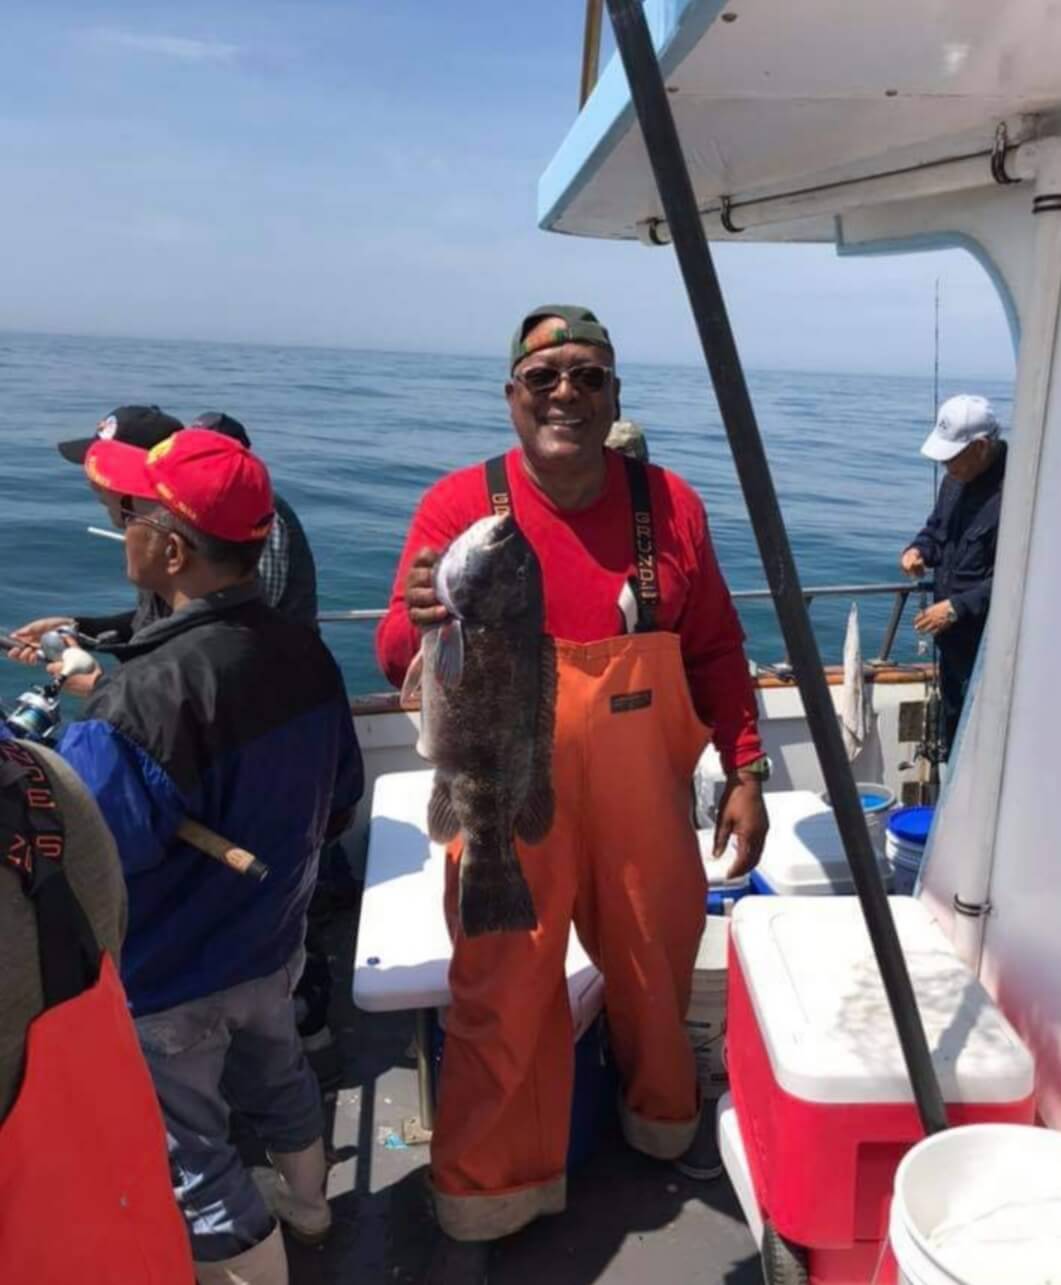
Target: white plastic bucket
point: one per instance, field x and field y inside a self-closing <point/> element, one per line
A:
<point x="705" y="1021"/>
<point x="979" y="1205"/>
<point x="906" y="861"/>
<point x="877" y="801"/>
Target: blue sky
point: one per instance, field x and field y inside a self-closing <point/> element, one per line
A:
<point x="364" y="174"/>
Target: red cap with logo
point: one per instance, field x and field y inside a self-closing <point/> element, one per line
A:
<point x="204" y="478"/>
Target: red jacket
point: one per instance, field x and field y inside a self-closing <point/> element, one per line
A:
<point x="585" y="557"/>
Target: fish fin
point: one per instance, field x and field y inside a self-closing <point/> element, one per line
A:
<point x="535" y="818"/>
<point x="498" y="904"/>
<point x="449" y="654"/>
<point x="413" y="683"/>
<point x="442" y="823"/>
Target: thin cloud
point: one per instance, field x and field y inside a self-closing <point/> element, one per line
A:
<point x="182" y="48"/>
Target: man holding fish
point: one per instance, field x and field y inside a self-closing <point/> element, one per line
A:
<point x="576" y="646"/>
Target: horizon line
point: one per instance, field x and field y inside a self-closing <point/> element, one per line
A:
<point x="500" y="357"/>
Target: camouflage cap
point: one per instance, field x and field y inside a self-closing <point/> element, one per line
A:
<point x="580" y="326"/>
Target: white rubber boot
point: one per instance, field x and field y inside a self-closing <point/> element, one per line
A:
<point x="294" y="1191"/>
<point x="262" y="1264"/>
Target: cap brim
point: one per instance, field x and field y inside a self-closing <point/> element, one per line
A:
<point x="936" y="447"/>
<point x="76" y="450"/>
<point x="121" y="468"/>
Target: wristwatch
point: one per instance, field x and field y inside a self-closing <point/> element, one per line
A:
<point x="759" y="767"/>
<point x="952" y="615"/>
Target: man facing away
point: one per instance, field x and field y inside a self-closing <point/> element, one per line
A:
<point x="643" y="666"/>
<point x="958" y="543"/>
<point x="230" y="714"/>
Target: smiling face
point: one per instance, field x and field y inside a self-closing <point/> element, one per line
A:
<point x="563" y="428"/>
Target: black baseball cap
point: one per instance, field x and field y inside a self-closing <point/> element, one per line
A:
<point x="218" y="422"/>
<point x="141" y="426"/>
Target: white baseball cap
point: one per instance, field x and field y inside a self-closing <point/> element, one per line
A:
<point x="961" y="420"/>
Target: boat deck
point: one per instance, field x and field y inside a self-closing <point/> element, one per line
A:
<point x="629" y="1219"/>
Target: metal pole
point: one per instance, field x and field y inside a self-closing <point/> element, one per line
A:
<point x="892" y="627"/>
<point x="709" y="311"/>
<point x="424" y="1080"/>
<point x="590" y="50"/>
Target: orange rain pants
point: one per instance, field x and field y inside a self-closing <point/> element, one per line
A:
<point x="622" y="863"/>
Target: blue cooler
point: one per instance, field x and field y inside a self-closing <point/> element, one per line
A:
<point x="804" y="855"/>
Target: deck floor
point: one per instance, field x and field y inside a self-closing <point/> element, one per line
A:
<point x="629" y="1220"/>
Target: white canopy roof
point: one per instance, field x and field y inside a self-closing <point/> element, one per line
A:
<point x="773" y="97"/>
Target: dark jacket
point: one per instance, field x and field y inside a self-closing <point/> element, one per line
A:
<point x="287" y="570"/>
<point x="959" y="542"/>
<point x="236" y="717"/>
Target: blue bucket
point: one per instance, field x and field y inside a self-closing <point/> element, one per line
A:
<point x="911" y="825"/>
<point x="906" y="838"/>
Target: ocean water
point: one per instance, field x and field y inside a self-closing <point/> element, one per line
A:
<point x="353" y="438"/>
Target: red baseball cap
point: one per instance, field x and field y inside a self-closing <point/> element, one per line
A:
<point x="204" y="478"/>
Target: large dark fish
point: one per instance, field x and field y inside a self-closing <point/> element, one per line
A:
<point x="488" y="706"/>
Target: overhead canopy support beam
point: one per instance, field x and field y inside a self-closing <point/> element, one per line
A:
<point x="720" y="351"/>
<point x="944" y="178"/>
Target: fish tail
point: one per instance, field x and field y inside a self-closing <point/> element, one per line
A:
<point x="494" y="896"/>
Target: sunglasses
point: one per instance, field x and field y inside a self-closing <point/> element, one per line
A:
<point x="543" y="379"/>
<point x="128" y="516"/>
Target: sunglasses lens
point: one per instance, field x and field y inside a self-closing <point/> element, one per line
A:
<point x="540" y="379"/>
<point x="589" y="378"/>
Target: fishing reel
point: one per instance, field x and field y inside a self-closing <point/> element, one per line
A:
<point x="36" y="715"/>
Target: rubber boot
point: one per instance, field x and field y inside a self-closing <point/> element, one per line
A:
<point x="294" y="1191"/>
<point x="262" y="1264"/>
<point x="458" y="1262"/>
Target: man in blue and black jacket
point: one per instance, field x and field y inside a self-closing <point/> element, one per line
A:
<point x="227" y="713"/>
<point x="958" y="541"/>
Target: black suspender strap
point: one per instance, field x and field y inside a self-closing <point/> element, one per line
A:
<point x="644" y="583"/>
<point x="497" y="486"/>
<point x="645" y="580"/>
<point x="32" y="840"/>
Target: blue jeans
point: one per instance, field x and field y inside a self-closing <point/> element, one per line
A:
<point x="237" y="1048"/>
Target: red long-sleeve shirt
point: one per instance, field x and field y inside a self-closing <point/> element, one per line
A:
<point x="586" y="555"/>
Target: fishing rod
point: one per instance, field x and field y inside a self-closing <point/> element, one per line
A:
<point x="708" y="306"/>
<point x="930" y="748"/>
<point x="36" y="717"/>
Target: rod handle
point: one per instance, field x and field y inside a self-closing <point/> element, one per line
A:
<point x="221" y="849"/>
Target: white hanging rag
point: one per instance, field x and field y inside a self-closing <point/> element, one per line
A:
<point x="854" y="708"/>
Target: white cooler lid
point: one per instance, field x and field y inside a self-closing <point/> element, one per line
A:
<point x="820" y="1005"/>
<point x="803" y="851"/>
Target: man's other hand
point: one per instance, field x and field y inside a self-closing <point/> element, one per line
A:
<point x="422" y="603"/>
<point x="742" y="815"/>
<point x="912" y="563"/>
<point x="935" y="619"/>
<point x="30" y="635"/>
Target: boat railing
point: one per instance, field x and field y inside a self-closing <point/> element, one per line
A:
<point x="899" y="592"/>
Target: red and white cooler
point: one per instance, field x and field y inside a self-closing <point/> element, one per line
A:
<point x="823" y="1102"/>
